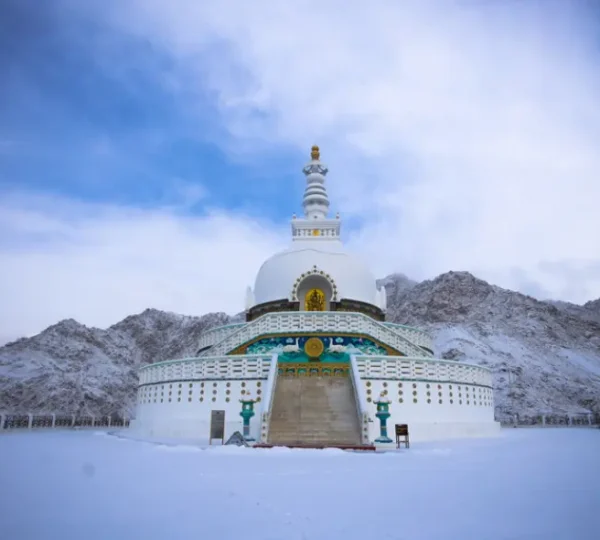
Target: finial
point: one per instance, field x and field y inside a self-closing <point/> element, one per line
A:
<point x="314" y="153"/>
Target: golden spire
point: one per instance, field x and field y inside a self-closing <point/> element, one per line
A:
<point x="314" y="153"/>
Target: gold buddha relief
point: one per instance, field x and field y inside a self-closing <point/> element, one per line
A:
<point x="314" y="300"/>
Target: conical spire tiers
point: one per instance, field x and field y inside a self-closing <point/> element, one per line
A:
<point x="315" y="202"/>
<point x="315" y="226"/>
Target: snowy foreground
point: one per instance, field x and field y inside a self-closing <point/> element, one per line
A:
<point x="526" y="484"/>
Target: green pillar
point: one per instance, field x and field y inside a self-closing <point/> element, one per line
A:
<point x="247" y="413"/>
<point x="383" y="413"/>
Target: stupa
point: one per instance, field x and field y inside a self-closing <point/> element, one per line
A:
<point x="315" y="363"/>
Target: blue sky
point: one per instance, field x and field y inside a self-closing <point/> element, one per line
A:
<point x="80" y="121"/>
<point x="150" y="152"/>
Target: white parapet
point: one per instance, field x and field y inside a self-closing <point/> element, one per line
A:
<point x="407" y="341"/>
<point x="253" y="366"/>
<point x="216" y="334"/>
<point x="422" y="368"/>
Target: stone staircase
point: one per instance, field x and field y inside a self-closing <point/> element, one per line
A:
<point x="315" y="410"/>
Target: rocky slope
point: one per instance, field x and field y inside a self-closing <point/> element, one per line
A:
<point x="545" y="356"/>
<point x="72" y="368"/>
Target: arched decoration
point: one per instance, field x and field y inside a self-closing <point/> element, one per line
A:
<point x="315" y="300"/>
<point x="314" y="271"/>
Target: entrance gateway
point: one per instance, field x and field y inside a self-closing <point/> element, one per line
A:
<point x="315" y="362"/>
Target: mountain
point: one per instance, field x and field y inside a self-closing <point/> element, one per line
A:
<point x="590" y="311"/>
<point x="545" y="356"/>
<point x="72" y="368"/>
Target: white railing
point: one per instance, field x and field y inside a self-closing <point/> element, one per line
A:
<point x="361" y="401"/>
<point x="12" y="421"/>
<point x="427" y="369"/>
<point x="310" y="321"/>
<point x="216" y="334"/>
<point x="252" y="366"/>
<point x="417" y="336"/>
<point x="269" y="397"/>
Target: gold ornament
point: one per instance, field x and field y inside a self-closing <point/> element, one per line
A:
<point x="314" y="347"/>
<point x="314" y="153"/>
<point x="314" y="300"/>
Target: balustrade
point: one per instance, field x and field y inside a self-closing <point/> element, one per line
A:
<point x="400" y="367"/>
<point x="408" y="342"/>
<point x="203" y="367"/>
<point x="216" y="334"/>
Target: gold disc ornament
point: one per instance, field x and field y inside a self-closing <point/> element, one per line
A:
<point x="314" y="347"/>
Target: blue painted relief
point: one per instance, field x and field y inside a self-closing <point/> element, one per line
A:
<point x="336" y="348"/>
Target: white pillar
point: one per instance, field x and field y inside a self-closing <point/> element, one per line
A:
<point x="72" y="420"/>
<point x="589" y="419"/>
<point x="108" y="420"/>
<point x="543" y="419"/>
<point x="93" y="421"/>
<point x="53" y="421"/>
<point x="570" y="420"/>
<point x="30" y="421"/>
<point x="2" y="418"/>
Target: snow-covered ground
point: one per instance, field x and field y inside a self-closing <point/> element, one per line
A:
<point x="527" y="484"/>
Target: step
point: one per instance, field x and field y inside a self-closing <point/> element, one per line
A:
<point x="319" y="410"/>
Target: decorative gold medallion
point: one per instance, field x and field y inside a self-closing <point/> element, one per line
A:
<point x="314" y="347"/>
<point x="314" y="300"/>
<point x="316" y="232"/>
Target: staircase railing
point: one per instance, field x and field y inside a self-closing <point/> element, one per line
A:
<point x="269" y="397"/>
<point x="360" y="400"/>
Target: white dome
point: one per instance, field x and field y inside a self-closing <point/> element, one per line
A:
<point x="348" y="274"/>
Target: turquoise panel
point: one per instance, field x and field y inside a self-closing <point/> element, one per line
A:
<point x="356" y="345"/>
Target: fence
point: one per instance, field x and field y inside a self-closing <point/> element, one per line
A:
<point x="10" y="421"/>
<point x="548" y="420"/>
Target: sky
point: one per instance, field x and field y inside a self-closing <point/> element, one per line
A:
<point x="151" y="151"/>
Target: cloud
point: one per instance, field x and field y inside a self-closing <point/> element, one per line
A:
<point x="460" y="135"/>
<point x="63" y="258"/>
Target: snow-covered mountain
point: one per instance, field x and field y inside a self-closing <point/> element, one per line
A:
<point x="72" y="368"/>
<point x="545" y="355"/>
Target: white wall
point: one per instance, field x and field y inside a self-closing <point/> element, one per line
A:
<point x="466" y="410"/>
<point x="188" y="413"/>
<point x="181" y="407"/>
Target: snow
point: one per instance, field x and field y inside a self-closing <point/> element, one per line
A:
<point x="527" y="484"/>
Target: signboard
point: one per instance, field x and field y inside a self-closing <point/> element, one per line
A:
<point x="217" y="426"/>
<point x="401" y="430"/>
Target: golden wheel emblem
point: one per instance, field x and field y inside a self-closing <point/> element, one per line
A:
<point x="314" y="347"/>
